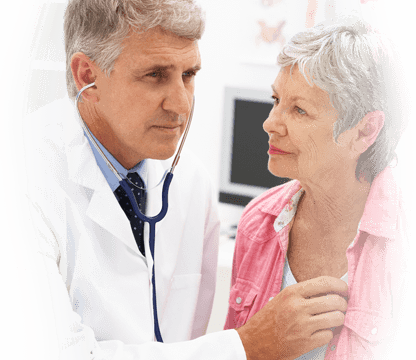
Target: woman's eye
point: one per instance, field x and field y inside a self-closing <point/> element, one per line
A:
<point x="300" y="111"/>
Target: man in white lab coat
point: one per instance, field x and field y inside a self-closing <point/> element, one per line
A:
<point x="142" y="57"/>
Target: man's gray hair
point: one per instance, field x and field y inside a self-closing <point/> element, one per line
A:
<point x="354" y="65"/>
<point x="97" y="28"/>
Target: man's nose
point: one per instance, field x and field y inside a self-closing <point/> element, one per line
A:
<point x="179" y="99"/>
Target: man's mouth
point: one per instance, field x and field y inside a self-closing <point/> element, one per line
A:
<point x="168" y="127"/>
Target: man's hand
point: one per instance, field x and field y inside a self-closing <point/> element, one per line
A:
<point x="296" y="321"/>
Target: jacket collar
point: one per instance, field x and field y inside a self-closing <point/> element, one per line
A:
<point x="103" y="207"/>
<point x="82" y="168"/>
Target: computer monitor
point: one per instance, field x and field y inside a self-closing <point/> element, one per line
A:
<point x="244" y="172"/>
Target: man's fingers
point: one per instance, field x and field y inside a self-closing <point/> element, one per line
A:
<point x="323" y="285"/>
<point x="328" y="303"/>
<point x="321" y="338"/>
<point x="327" y="320"/>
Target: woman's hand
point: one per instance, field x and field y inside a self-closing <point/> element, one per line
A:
<point x="296" y="321"/>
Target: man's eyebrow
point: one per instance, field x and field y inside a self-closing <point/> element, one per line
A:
<point x="155" y="67"/>
<point x="159" y="67"/>
<point x="196" y="67"/>
<point x="294" y="98"/>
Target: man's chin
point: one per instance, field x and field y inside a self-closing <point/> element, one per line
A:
<point x="164" y="155"/>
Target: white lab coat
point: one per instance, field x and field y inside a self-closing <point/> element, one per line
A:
<point x="100" y="284"/>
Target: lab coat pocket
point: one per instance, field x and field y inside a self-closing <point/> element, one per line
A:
<point x="180" y="307"/>
<point x="242" y="297"/>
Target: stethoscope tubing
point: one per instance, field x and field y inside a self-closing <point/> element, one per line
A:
<point x="152" y="220"/>
<point x="152" y="236"/>
<point x="87" y="132"/>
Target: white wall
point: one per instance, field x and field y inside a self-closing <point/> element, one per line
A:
<point x="229" y="32"/>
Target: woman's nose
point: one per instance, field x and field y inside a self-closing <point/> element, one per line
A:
<point x="275" y="123"/>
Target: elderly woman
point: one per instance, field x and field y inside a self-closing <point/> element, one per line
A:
<point x="333" y="130"/>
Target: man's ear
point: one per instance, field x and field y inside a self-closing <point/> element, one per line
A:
<point x="367" y="130"/>
<point x="84" y="72"/>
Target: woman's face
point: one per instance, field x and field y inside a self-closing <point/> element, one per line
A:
<point x="300" y="129"/>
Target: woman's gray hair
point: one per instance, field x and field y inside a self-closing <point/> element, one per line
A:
<point x="97" y="28"/>
<point x="355" y="65"/>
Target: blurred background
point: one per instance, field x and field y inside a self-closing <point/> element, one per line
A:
<point x="239" y="49"/>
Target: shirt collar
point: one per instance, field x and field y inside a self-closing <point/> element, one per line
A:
<point x="288" y="212"/>
<point x="140" y="168"/>
<point x="383" y="206"/>
<point x="275" y="204"/>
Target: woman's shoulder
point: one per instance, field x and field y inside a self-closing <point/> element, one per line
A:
<point x="269" y="204"/>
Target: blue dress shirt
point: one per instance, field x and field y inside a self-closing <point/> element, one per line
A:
<point x="140" y="168"/>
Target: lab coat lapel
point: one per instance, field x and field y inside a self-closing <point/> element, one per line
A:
<point x="103" y="207"/>
<point x="105" y="210"/>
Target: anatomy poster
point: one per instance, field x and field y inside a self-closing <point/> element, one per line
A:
<point x="273" y="23"/>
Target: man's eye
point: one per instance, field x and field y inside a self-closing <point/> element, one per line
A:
<point x="189" y="73"/>
<point x="156" y="74"/>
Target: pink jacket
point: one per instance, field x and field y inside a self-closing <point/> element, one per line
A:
<point x="373" y="267"/>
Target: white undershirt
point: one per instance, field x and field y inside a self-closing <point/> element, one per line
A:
<point x="289" y="279"/>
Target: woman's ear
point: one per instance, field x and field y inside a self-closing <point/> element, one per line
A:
<point x="84" y="72"/>
<point x="367" y="130"/>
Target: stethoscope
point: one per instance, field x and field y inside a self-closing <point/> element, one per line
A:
<point x="124" y="184"/>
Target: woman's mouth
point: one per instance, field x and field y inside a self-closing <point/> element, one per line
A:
<point x="276" y="151"/>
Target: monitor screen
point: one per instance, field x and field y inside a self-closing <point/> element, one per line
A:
<point x="244" y="172"/>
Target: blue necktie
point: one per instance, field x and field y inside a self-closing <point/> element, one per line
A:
<point x="137" y="225"/>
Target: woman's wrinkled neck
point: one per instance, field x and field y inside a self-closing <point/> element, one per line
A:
<point x="334" y="204"/>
